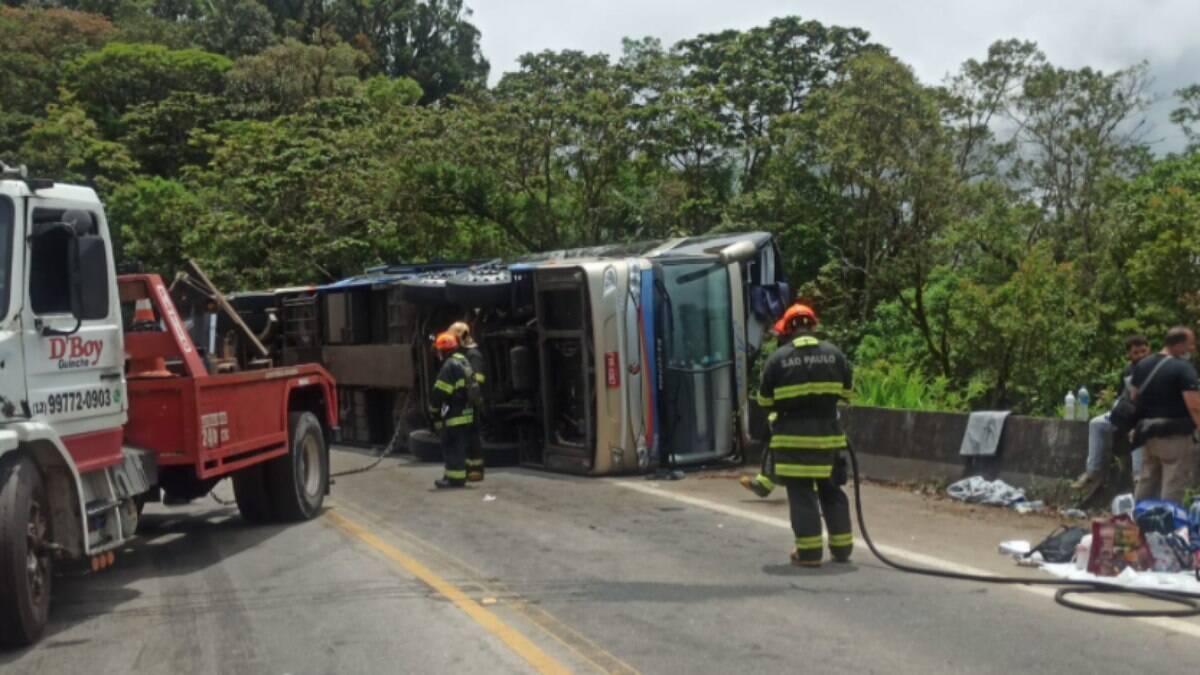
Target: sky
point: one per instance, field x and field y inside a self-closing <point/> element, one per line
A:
<point x="932" y="36"/>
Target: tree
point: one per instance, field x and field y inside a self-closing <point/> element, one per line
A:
<point x="68" y="146"/>
<point x="765" y="72"/>
<point x="156" y="218"/>
<point x="111" y="81"/>
<point x="886" y="161"/>
<point x="1187" y="115"/>
<point x="283" y="78"/>
<point x="430" y="41"/>
<point x="34" y="46"/>
<point x="235" y="28"/>
<point x="158" y="133"/>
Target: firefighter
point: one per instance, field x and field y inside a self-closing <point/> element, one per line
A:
<point x="475" y="465"/>
<point x="802" y="383"/>
<point x="452" y="406"/>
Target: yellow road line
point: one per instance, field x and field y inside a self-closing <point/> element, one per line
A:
<point x="596" y="656"/>
<point x="540" y="660"/>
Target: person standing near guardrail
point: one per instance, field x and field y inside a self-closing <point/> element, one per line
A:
<point x="475" y="463"/>
<point x="1167" y="391"/>
<point x="802" y="383"/>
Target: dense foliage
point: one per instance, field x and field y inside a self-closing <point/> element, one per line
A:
<point x="986" y="241"/>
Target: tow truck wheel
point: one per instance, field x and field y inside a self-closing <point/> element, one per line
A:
<point x="26" y="568"/>
<point x="298" y="480"/>
<point x="250" y="492"/>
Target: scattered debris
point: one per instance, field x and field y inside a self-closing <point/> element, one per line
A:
<point x="489" y="498"/>
<point x="1073" y="513"/>
<point x="1016" y="547"/>
<point x="1029" y="507"/>
<point x="979" y="490"/>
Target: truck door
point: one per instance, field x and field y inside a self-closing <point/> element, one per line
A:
<point x="74" y="355"/>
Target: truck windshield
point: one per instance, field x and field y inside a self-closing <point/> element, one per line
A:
<point x="701" y="315"/>
<point x="7" y="214"/>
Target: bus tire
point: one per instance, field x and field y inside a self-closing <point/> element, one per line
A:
<point x="250" y="492"/>
<point x="480" y="290"/>
<point x="425" y="445"/>
<point x="298" y="481"/>
<point x="422" y="291"/>
<point x="26" y="566"/>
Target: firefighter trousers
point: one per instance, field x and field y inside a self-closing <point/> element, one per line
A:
<point x="455" y="443"/>
<point x="475" y="464"/>
<point x="809" y="500"/>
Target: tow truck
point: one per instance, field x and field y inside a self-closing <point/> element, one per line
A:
<point x="106" y="404"/>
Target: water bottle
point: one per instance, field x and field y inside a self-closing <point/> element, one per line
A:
<point x="1069" y="406"/>
<point x="1082" y="399"/>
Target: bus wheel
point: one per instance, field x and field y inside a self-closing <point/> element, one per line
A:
<point x="425" y="445"/>
<point x="26" y="568"/>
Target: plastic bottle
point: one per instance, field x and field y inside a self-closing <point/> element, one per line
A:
<point x="1082" y="399"/>
<point x="1069" y="406"/>
<point x="1122" y="504"/>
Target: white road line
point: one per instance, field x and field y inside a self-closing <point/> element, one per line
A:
<point x="1176" y="625"/>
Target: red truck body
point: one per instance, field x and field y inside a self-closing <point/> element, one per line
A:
<point x="216" y="424"/>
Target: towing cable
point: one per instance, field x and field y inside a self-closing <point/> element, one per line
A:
<point x="1189" y="603"/>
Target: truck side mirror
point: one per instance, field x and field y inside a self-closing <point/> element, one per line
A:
<point x="87" y="269"/>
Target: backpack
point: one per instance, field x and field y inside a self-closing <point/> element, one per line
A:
<point x="1059" y="546"/>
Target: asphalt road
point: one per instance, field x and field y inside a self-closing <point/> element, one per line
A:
<point x="535" y="572"/>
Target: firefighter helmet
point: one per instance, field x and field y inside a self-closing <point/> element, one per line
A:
<point x="794" y="315"/>
<point x="446" y="342"/>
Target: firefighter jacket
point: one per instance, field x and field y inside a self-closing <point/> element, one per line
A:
<point x="449" y="397"/>
<point x="802" y="383"/>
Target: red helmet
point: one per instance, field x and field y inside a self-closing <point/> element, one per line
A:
<point x="446" y="342"/>
<point x="794" y="314"/>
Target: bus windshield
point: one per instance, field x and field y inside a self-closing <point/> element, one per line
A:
<point x="701" y="316"/>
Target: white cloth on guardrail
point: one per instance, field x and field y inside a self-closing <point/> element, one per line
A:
<point x="982" y="438"/>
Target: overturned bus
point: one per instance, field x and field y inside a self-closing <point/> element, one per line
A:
<point x="612" y="359"/>
<point x="599" y="361"/>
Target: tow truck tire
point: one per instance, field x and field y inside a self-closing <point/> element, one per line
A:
<point x="425" y="445"/>
<point x="299" y="480"/>
<point x="25" y="575"/>
<point x="250" y="492"/>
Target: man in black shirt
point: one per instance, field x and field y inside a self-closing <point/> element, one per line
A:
<point x="1170" y="407"/>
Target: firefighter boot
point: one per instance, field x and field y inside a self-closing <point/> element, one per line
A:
<point x="444" y="483"/>
<point x="759" y="485"/>
<point x="800" y="560"/>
